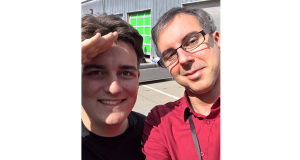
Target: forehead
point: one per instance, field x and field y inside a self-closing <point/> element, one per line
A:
<point x="120" y="53"/>
<point x="181" y="25"/>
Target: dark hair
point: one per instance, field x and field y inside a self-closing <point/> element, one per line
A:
<point x="104" y="24"/>
<point x="203" y="17"/>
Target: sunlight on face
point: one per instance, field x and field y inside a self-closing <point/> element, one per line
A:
<point x="197" y="71"/>
<point x="110" y="84"/>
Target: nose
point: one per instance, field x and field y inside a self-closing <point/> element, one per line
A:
<point x="114" y="86"/>
<point x="184" y="57"/>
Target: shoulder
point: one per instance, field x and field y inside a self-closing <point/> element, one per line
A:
<point x="84" y="131"/>
<point x="161" y="112"/>
<point x="137" y="116"/>
<point x="137" y="120"/>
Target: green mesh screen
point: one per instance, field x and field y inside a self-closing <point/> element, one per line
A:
<point x="147" y="13"/>
<point x="147" y="21"/>
<point x="140" y="30"/>
<point x="147" y="31"/>
<point x="133" y="22"/>
<point x="141" y="14"/>
<point x="133" y="15"/>
<point x="142" y="23"/>
<point x="146" y="40"/>
<point x="146" y="49"/>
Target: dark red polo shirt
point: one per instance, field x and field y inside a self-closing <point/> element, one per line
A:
<point x="167" y="133"/>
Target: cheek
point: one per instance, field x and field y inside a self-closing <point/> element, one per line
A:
<point x="131" y="87"/>
<point x="90" y="87"/>
<point x="174" y="70"/>
<point x="213" y="59"/>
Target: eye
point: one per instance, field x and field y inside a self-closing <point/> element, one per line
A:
<point x="96" y="73"/>
<point x="191" y="42"/>
<point x="126" y="73"/>
<point x="172" y="54"/>
<point x="169" y="55"/>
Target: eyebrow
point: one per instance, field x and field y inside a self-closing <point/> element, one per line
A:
<point x="127" y="67"/>
<point x="187" y="35"/>
<point x="94" y="66"/>
<point x="104" y="67"/>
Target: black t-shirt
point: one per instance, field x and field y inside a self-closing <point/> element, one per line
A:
<point x="127" y="146"/>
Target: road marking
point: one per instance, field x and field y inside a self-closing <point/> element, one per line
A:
<point x="161" y="92"/>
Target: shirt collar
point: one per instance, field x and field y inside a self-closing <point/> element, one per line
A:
<point x="187" y="110"/>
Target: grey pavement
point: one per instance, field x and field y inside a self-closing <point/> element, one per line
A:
<point x="155" y="93"/>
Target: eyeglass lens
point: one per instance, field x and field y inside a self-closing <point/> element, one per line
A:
<point x="188" y="45"/>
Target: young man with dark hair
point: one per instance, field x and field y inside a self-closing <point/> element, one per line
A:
<point x="110" y="73"/>
<point x="189" y="46"/>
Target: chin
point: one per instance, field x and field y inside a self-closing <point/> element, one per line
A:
<point x="115" y="118"/>
<point x="200" y="88"/>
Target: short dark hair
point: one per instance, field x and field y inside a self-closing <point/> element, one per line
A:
<point x="203" y="17"/>
<point x="104" y="24"/>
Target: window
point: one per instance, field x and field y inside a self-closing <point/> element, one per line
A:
<point x="141" y="21"/>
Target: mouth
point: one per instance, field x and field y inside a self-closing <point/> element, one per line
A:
<point x="192" y="72"/>
<point x="193" y="75"/>
<point x="111" y="102"/>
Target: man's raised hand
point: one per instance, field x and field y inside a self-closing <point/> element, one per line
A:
<point x="91" y="47"/>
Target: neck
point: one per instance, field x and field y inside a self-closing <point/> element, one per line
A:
<point x="103" y="129"/>
<point x="202" y="103"/>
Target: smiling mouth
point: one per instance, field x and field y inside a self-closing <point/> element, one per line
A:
<point x="193" y="72"/>
<point x="109" y="102"/>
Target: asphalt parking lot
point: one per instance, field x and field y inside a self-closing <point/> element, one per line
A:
<point x="155" y="93"/>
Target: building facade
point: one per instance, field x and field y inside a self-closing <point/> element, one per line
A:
<point x="143" y="14"/>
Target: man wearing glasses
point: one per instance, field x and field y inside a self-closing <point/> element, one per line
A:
<point x="189" y="46"/>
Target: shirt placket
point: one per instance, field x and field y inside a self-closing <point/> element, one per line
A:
<point x="204" y="126"/>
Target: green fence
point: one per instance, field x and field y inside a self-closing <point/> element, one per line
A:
<point x="141" y="21"/>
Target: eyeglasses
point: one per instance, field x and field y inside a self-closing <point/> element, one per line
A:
<point x="191" y="43"/>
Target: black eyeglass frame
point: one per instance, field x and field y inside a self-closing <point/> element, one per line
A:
<point x="161" y="62"/>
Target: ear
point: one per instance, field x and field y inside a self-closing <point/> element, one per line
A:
<point x="217" y="39"/>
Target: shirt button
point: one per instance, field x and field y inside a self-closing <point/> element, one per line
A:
<point x="202" y="154"/>
<point x="207" y="122"/>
